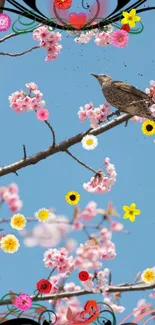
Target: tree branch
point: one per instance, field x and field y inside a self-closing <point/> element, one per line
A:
<point x="112" y="289"/>
<point x="8" y="36"/>
<point x="62" y="146"/>
<point x="53" y="133"/>
<point x="21" y="53"/>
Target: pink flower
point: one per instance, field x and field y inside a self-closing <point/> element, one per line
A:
<point x="42" y="114"/>
<point x="141" y="308"/>
<point x="89" y="212"/>
<point x="119" y="38"/>
<point x="32" y="86"/>
<point x="23" y="302"/>
<point x="5" y="22"/>
<point x="11" y="197"/>
<point x="152" y="295"/>
<point x="138" y="119"/>
<point x="102" y="39"/>
<point x="116" y="226"/>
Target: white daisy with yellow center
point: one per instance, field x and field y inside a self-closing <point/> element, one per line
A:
<point x="42" y="214"/>
<point x="89" y="142"/>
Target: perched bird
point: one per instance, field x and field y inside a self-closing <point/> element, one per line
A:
<point x="124" y="97"/>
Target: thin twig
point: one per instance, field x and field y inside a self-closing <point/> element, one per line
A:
<point x="21" y="53"/>
<point x="53" y="133"/>
<point x="79" y="161"/>
<point x="24" y="150"/>
<point x="2" y="4"/>
<point x="61" y="147"/>
<point x="5" y="38"/>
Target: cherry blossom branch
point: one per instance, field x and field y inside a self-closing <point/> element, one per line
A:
<point x="21" y="53"/>
<point x="61" y="147"/>
<point x="53" y="133"/>
<point x="61" y="295"/>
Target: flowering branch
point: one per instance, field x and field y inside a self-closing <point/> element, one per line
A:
<point x="119" y="288"/>
<point x="62" y="146"/>
<point x="21" y="53"/>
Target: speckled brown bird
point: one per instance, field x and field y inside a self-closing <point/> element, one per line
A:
<point x="124" y="97"/>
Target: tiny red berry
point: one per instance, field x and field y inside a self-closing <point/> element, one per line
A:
<point x="126" y="28"/>
<point x="83" y="276"/>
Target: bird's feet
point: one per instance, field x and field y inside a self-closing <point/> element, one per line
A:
<point x="117" y="113"/>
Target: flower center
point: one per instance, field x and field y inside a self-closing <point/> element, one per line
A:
<point x="72" y="197"/>
<point x="89" y="142"/>
<point x="120" y="38"/>
<point x="149" y="127"/>
<point x="23" y="302"/>
<point x="43" y="215"/>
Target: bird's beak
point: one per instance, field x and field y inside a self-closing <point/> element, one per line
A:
<point x="94" y="75"/>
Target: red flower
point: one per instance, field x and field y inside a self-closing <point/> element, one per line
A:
<point x="44" y="286"/>
<point x="62" y="4"/>
<point x="126" y="28"/>
<point x="83" y="276"/>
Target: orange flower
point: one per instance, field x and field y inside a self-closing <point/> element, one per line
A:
<point x="63" y="4"/>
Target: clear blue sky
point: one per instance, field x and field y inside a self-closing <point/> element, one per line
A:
<point x="66" y="85"/>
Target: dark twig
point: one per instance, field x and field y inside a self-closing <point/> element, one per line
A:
<point x="53" y="133"/>
<point x="21" y="53"/>
<point x="79" y="161"/>
<point x="24" y="149"/>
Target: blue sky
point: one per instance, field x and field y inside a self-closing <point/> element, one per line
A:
<point x="66" y="85"/>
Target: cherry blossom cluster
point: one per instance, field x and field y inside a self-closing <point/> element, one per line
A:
<point x="10" y="195"/>
<point x="59" y="259"/>
<point x="117" y="38"/>
<point x="95" y="115"/>
<point x="101" y="183"/>
<point x="96" y="249"/>
<point x="21" y="102"/>
<point x="48" y="40"/>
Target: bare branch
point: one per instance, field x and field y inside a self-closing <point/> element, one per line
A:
<point x="79" y="161"/>
<point x="21" y="53"/>
<point x="8" y="36"/>
<point x="62" y="146"/>
<point x="118" y="288"/>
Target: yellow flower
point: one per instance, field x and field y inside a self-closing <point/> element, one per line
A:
<point x="72" y="197"/>
<point x="18" y="221"/>
<point x="148" y="276"/>
<point x="9" y="244"/>
<point x="42" y="214"/>
<point x="130" y="18"/>
<point x="148" y="127"/>
<point x="131" y="212"/>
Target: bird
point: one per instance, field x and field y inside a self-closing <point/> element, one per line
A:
<point x="125" y="97"/>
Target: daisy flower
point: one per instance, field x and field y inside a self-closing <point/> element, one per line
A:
<point x="42" y="214"/>
<point x="89" y="142"/>
<point x="148" y="276"/>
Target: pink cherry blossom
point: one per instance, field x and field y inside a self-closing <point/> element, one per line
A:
<point x="49" y="40"/>
<point x="102" y="183"/>
<point x="89" y="212"/>
<point x="95" y="115"/>
<point x="11" y="197"/>
<point x="31" y="86"/>
<point x="43" y="114"/>
<point x="116" y="226"/>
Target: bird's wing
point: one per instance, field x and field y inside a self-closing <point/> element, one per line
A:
<point x="128" y="88"/>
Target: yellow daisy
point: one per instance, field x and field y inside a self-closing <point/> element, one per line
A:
<point x="72" y="197"/>
<point x="148" y="127"/>
<point x="18" y="221"/>
<point x="131" y="212"/>
<point x="130" y="18"/>
<point x="148" y="276"/>
<point x="9" y="244"/>
<point x="42" y="214"/>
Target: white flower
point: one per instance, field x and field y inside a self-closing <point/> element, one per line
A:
<point x="89" y="142"/>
